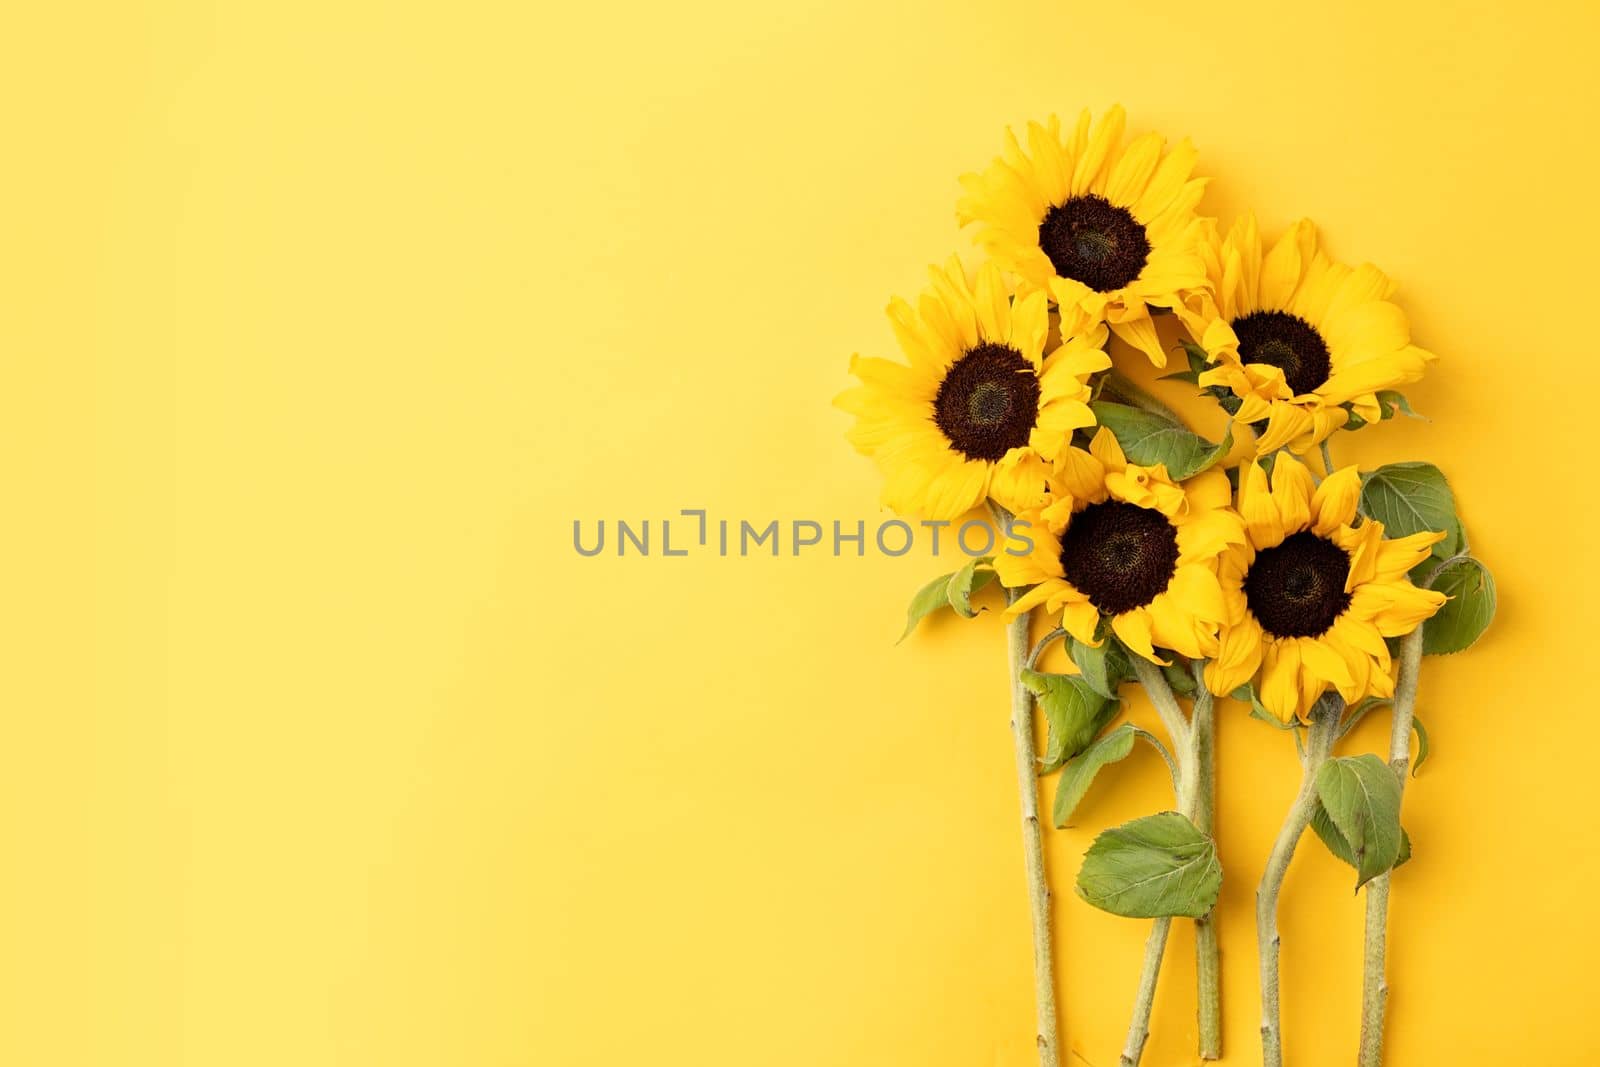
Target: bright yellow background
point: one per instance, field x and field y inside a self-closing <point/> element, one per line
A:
<point x="320" y="323"/>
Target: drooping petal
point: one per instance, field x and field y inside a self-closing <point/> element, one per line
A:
<point x="1104" y="447"/>
<point x="1238" y="656"/>
<point x="1292" y="487"/>
<point x="1030" y="553"/>
<point x="1334" y="503"/>
<point x="1081" y="620"/>
<point x="1134" y="628"/>
<point x="1262" y="521"/>
<point x="1280" y="680"/>
<point x="1080" y="475"/>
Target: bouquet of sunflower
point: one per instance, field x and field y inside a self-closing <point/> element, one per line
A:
<point x="1252" y="568"/>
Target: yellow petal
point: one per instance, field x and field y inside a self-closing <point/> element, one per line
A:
<point x="1286" y="424"/>
<point x="1262" y="521"/>
<point x="1317" y="657"/>
<point x="1280" y="680"/>
<point x="1104" y="447"/>
<point x="1396" y="608"/>
<point x="1334" y="503"/>
<point x="1238" y="656"/>
<point x="1358" y="663"/>
<point x="1080" y="475"/>
<point x="1081" y="620"/>
<point x="956" y="490"/>
<point x="1140" y="332"/>
<point x="1196" y="590"/>
<point x="1203" y="537"/>
<point x="1030" y="325"/>
<point x="1280" y="270"/>
<point x="1363" y="545"/>
<point x="992" y="304"/>
<point x="1133" y="169"/>
<point x="1018" y="482"/>
<point x="1207" y="490"/>
<point x="1397" y="557"/>
<point x="1105" y="138"/>
<point x="1134" y="628"/>
<point x="1035" y="596"/>
<point x="1292" y="486"/>
<point x="1030" y="553"/>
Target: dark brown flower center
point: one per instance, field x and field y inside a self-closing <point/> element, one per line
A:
<point x="1297" y="588"/>
<point x="1091" y="240"/>
<point x="988" y="402"/>
<point x="1287" y="342"/>
<point x="1119" y="555"/>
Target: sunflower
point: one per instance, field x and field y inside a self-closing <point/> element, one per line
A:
<point x="1312" y="594"/>
<point x="982" y="409"/>
<point x="1109" y="230"/>
<point x="1128" y="543"/>
<point x="1298" y="338"/>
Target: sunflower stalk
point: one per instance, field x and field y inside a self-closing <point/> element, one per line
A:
<point x="1047" y="1029"/>
<point x="1208" y="951"/>
<point x="1374" y="983"/>
<point x="1321" y="735"/>
<point x="1191" y="778"/>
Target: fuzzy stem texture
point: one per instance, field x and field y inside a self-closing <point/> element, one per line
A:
<point x="1319" y="744"/>
<point x="1184" y="742"/>
<point x="1044" y="984"/>
<point x="1374" y="983"/>
<point x="1208" y="951"/>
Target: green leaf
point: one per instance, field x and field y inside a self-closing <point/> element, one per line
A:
<point x="929" y="599"/>
<point x="1147" y="439"/>
<point x="1390" y="402"/>
<point x="1179" y="678"/>
<point x="1422" y="743"/>
<point x="968" y="580"/>
<point x="1467" y="613"/>
<point x="1075" y="714"/>
<point x="1227" y="399"/>
<point x="1336" y="843"/>
<point x="1155" y="866"/>
<point x="1104" y="668"/>
<point x="1362" y="798"/>
<point x="1409" y="498"/>
<point x="949" y="590"/>
<point x="1080" y="770"/>
<point x="1197" y="365"/>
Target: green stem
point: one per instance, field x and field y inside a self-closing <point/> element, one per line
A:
<point x="1319" y="744"/>
<point x="1208" y="951"/>
<point x="1184" y="740"/>
<point x="1327" y="459"/>
<point x="1044" y="983"/>
<point x="1042" y="644"/>
<point x="1374" y="983"/>
<point x="1155" y="947"/>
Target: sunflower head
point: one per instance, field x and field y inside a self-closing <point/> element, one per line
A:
<point x="1312" y="592"/>
<point x="981" y="408"/>
<point x="1302" y="342"/>
<point x="1126" y="543"/>
<point x="1109" y="229"/>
